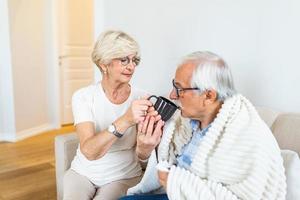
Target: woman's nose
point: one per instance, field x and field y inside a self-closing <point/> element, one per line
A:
<point x="130" y="66"/>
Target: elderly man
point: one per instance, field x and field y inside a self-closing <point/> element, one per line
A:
<point x="219" y="148"/>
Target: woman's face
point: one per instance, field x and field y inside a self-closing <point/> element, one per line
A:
<point x="122" y="69"/>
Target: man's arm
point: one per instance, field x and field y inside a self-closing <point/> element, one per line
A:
<point x="183" y="184"/>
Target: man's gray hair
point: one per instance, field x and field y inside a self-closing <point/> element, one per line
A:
<point x="211" y="72"/>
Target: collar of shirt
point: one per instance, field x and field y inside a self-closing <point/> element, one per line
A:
<point x="195" y="124"/>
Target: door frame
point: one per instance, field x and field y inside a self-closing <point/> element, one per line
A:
<point x="54" y="96"/>
<point x="54" y="84"/>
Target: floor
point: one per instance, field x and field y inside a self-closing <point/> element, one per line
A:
<point x="27" y="167"/>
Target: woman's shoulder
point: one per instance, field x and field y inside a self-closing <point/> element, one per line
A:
<point x="85" y="92"/>
<point x="138" y="93"/>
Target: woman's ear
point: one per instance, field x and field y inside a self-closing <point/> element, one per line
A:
<point x="103" y="68"/>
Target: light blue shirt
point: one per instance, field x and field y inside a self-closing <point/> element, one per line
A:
<point x="189" y="150"/>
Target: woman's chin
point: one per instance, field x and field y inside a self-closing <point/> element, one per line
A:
<point x="125" y="79"/>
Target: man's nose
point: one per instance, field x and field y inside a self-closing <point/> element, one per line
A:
<point x="173" y="95"/>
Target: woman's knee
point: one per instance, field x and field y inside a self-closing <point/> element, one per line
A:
<point x="77" y="186"/>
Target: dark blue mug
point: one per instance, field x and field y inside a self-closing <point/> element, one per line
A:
<point x="164" y="107"/>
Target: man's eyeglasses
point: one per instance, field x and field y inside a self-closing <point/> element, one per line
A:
<point x="126" y="60"/>
<point x="180" y="90"/>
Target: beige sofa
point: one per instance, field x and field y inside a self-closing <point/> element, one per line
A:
<point x="285" y="126"/>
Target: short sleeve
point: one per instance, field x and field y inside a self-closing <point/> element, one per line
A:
<point x="82" y="107"/>
<point x="139" y="93"/>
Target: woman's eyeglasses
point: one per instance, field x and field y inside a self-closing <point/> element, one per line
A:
<point x="126" y="60"/>
<point x="180" y="90"/>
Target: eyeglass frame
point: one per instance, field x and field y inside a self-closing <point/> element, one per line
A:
<point x="135" y="60"/>
<point x="178" y="90"/>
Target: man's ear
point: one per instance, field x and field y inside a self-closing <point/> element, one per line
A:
<point x="211" y="96"/>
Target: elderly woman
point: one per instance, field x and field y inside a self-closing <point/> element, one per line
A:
<point x="105" y="114"/>
<point x="219" y="148"/>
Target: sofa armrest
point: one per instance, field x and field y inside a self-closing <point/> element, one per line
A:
<point x="65" y="150"/>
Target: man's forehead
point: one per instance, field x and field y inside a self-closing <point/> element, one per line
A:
<point x="184" y="72"/>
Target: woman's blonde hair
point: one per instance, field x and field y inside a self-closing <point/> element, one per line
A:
<point x="113" y="44"/>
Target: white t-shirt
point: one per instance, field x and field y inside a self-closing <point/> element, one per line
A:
<point x="90" y="104"/>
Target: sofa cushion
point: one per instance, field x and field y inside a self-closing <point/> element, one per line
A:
<point x="286" y="130"/>
<point x="292" y="171"/>
<point x="267" y="114"/>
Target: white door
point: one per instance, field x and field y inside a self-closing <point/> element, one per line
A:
<point x="75" y="46"/>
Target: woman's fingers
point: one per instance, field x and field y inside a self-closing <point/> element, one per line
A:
<point x="141" y="109"/>
<point x="139" y="127"/>
<point x="150" y="109"/>
<point x="153" y="113"/>
<point x="139" y="112"/>
<point x="157" y="118"/>
<point x="141" y="105"/>
<point x="145" y="102"/>
<point x="158" y="129"/>
<point x="145" y="124"/>
<point x="150" y="127"/>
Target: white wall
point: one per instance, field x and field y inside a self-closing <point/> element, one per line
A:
<point x="28" y="60"/>
<point x="7" y="114"/>
<point x="259" y="40"/>
<point x="27" y="75"/>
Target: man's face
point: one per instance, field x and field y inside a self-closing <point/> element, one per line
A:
<point x="191" y="103"/>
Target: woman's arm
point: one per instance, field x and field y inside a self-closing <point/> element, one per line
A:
<point x="94" y="146"/>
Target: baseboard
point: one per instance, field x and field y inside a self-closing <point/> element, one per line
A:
<point x="33" y="131"/>
<point x="6" y="137"/>
<point x="20" y="135"/>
